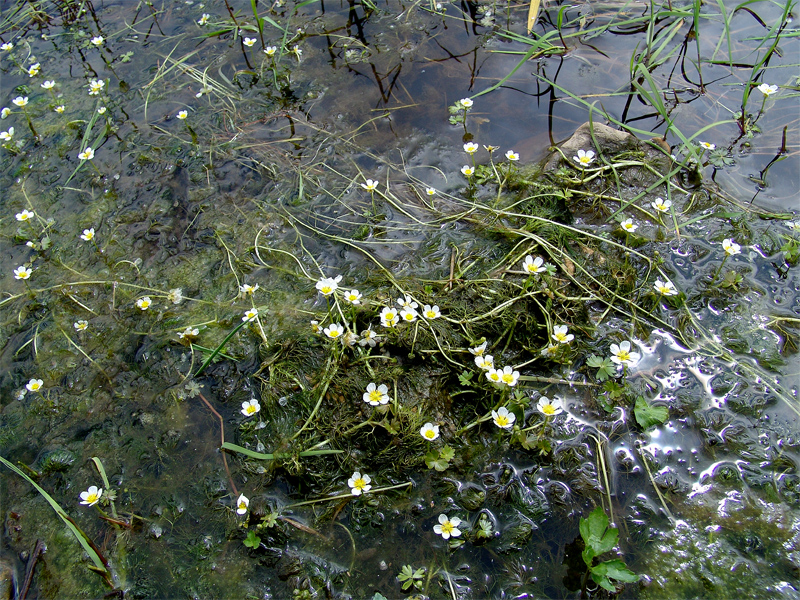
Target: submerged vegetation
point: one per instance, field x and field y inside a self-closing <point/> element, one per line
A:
<point x="334" y="332"/>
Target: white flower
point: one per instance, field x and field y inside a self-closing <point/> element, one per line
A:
<point x="628" y="226"/>
<point x="665" y="288"/>
<point x="7" y="135"/>
<point x="60" y="109"/>
<point x="353" y="297"/>
<point x="793" y="225"/>
<point x="429" y="431"/>
<point x="246" y="288"/>
<point x="33" y="70"/>
<point x="188" y="333"/>
<point x="389" y="317"/>
<point x="88" y="235"/>
<point x="98" y="40"/>
<point x="102" y="110"/>
<point x="315" y="326"/>
<point x="144" y="303"/>
<point x="349" y="339"/>
<point x="203" y="19"/>
<point x="584" y="157"/>
<point x="478" y="350"/>
<point x="333" y="331"/>
<point x="509" y="376"/>
<point x="485" y="362"/>
<point x="250" y="315"/>
<point x="250" y="408"/>
<point x="7" y="46"/>
<point x="5" y="112"/>
<point x="175" y="296"/>
<point x="328" y="285"/>
<point x="708" y="146"/>
<point x="731" y="248"/>
<point x="534" y="266"/>
<point x="20" y="101"/>
<point x="34" y="385"/>
<point x="376" y="395"/>
<point x="495" y="375"/>
<point x="447" y="527"/>
<point x="431" y="312"/>
<point x="549" y="407"/>
<point x="249" y="41"/>
<point x="409" y="315"/>
<point x="561" y="336"/>
<point x="407" y="302"/>
<point x="767" y="89"/>
<point x="22" y="272"/>
<point x="182" y="115"/>
<point x="430" y="191"/>
<point x="369" y="337"/>
<point x="503" y="418"/>
<point x="241" y="504"/>
<point x="371" y="185"/>
<point x="49" y="85"/>
<point x="470" y="147"/>
<point x="270" y="50"/>
<point x="91" y="496"/>
<point x="81" y="325"/>
<point x="359" y="484"/>
<point x="96" y="86"/>
<point x="622" y="354"/>
<point x="467" y="170"/>
<point x="87" y="154"/>
<point x="512" y="156"/>
<point x="465" y="103"/>
<point x="661" y="205"/>
<point x="297" y="51"/>
<point x="24" y="215"/>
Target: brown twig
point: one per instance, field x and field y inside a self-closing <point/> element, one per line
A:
<point x="222" y="438"/>
<point x="38" y="550"/>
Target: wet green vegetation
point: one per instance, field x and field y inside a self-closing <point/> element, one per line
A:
<point x="306" y="301"/>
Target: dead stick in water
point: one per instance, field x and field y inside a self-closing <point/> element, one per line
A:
<point x="222" y="438"/>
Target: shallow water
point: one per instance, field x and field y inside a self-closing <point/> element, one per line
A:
<point x="261" y="183"/>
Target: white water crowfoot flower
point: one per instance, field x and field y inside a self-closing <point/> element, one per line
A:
<point x="509" y="376"/>
<point x="512" y="156"/>
<point x="376" y="394"/>
<point x="333" y="331"/>
<point x="622" y="355"/>
<point x="250" y="408"/>
<point x="485" y="362"/>
<point x="478" y="350"/>
<point x="241" y="504"/>
<point x="430" y="191"/>
<point x="503" y="418"/>
<point x="175" y="296"/>
<point x="708" y="146"/>
<point x="465" y="103"/>
<point x="431" y="312"/>
<point x="549" y="408"/>
<point x="250" y="315"/>
<point x="371" y="185"/>
<point x="767" y="89"/>
<point x="88" y="235"/>
<point x="34" y="69"/>
<point x="429" y="431"/>
<point x="328" y="285"/>
<point x="495" y="375"/>
<point x="584" y="157"/>
<point x="20" y="101"/>
<point x="189" y="333"/>
<point x="5" y="112"/>
<point x="81" y="325"/>
<point x="467" y="170"/>
<point x="96" y="86"/>
<point x="369" y="338"/>
<point x="561" y="336"/>
<point x="182" y="115"/>
<point x="8" y="46"/>
<point x="359" y="484"/>
<point x="34" y="385"/>
<point x="389" y="317"/>
<point x="407" y="302"/>
<point x="470" y="147"/>
<point x="144" y="303"/>
<point x="409" y="315"/>
<point x="7" y="135"/>
<point x="628" y="226"/>
<point x="665" y="288"/>
<point x="98" y="40"/>
<point x="731" y="248"/>
<point x="298" y="52"/>
<point x="246" y="288"/>
<point x="60" y="109"/>
<point x="249" y="42"/>
<point x="270" y="50"/>
<point x="534" y="265"/>
<point x="353" y="297"/>
<point x="203" y="20"/>
<point x="447" y="528"/>
<point x="661" y="205"/>
<point x="87" y="154"/>
<point x="91" y="496"/>
<point x="22" y="272"/>
<point x="49" y="85"/>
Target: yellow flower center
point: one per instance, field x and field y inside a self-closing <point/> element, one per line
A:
<point x="624" y="355"/>
<point x="561" y="336"/>
<point x="250" y="409"/>
<point x="494" y="377"/>
<point x="430" y="434"/>
<point x="447" y="527"/>
<point x="359" y="484"/>
<point x="548" y="409"/>
<point x="334" y="333"/>
<point x="501" y="420"/>
<point x="326" y="289"/>
<point x="375" y="396"/>
<point x="92" y="498"/>
<point x="508" y="377"/>
<point x="242" y="505"/>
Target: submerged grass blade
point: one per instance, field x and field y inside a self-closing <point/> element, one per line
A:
<point x="263" y="456"/>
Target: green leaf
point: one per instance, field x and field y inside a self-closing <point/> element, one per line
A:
<point x="648" y="415"/>
<point x="252" y="540"/>
<point x="597" y="535"/>
<point x="447" y="453"/>
<point x="434" y="461"/>
<point x="605" y="368"/>
<point x="603" y="582"/>
<point x="615" y="569"/>
<point x="465" y="378"/>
